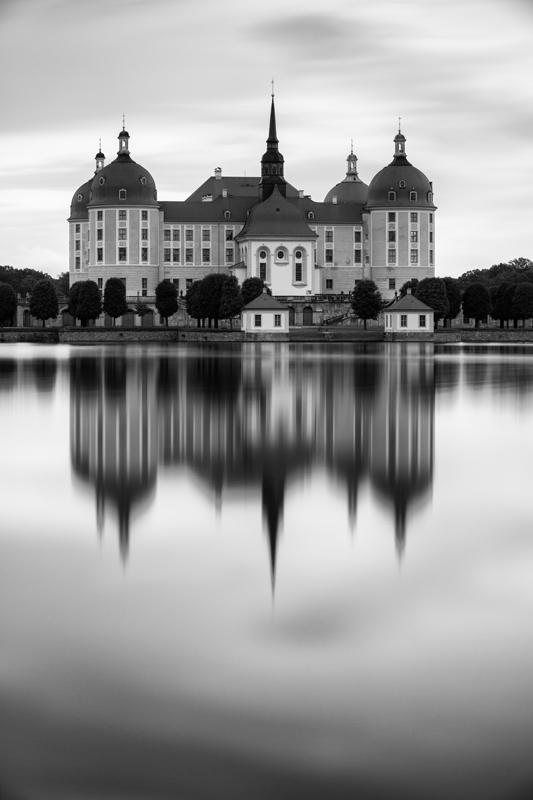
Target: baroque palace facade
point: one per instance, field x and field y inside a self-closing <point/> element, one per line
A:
<point x="259" y="226"/>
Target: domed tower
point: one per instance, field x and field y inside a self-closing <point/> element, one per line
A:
<point x="401" y="223"/>
<point x="79" y="225"/>
<point x="272" y="162"/>
<point x="122" y="224"/>
<point x="351" y="189"/>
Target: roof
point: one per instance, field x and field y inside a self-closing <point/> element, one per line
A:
<point x="78" y="205"/>
<point x="409" y="303"/>
<point x="349" y="190"/>
<point x="235" y="187"/>
<point x="278" y="217"/>
<point x="123" y="173"/>
<point x="265" y="302"/>
<point x="388" y="179"/>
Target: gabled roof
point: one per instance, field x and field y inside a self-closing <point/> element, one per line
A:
<point x="276" y="217"/>
<point x="235" y="187"/>
<point x="409" y="303"/>
<point x="265" y="302"/>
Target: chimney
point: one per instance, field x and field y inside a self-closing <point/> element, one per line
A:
<point x="224" y="192"/>
<point x="218" y="173"/>
<point x="334" y="200"/>
<point x="301" y="194"/>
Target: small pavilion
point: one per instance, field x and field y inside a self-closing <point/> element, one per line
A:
<point x="409" y="315"/>
<point x="265" y="314"/>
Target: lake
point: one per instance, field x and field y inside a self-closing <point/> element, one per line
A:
<point x="266" y="571"/>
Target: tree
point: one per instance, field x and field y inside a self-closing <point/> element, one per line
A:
<point x="27" y="284"/>
<point x="500" y="309"/>
<point x="507" y="303"/>
<point x="212" y="286"/>
<point x="89" y="304"/>
<point x="166" y="299"/>
<point x="141" y="309"/>
<point x="43" y="301"/>
<point x="454" y="297"/>
<point x="366" y="300"/>
<point x="63" y="283"/>
<point x="252" y="288"/>
<point x="411" y="284"/>
<point x="73" y="297"/>
<point x="432" y="292"/>
<point x="115" y="298"/>
<point x="476" y="302"/>
<point x="8" y="303"/>
<point x="193" y="301"/>
<point x="522" y="304"/>
<point x="231" y="299"/>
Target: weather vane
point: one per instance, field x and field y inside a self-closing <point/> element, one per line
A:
<point x="123" y="122"/>
<point x="399" y="124"/>
<point x="272" y="82"/>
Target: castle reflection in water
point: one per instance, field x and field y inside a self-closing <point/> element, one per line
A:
<point x="260" y="418"/>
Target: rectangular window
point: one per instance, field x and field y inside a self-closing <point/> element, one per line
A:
<point x="422" y="321"/>
<point x="77" y="244"/>
<point x="229" y="255"/>
<point x="206" y="235"/>
<point x="403" y="320"/>
<point x="392" y="216"/>
<point x="430" y="218"/>
<point x="99" y="253"/>
<point x="144" y="254"/>
<point x="188" y="257"/>
<point x="122" y="254"/>
<point x="229" y="234"/>
<point x="277" y="320"/>
<point x="431" y="257"/>
<point x="176" y="234"/>
<point x="77" y="262"/>
<point x="99" y="234"/>
<point x="329" y="236"/>
<point x="257" y="320"/>
<point x="412" y="196"/>
<point x="263" y="271"/>
<point x="166" y="257"/>
<point x="357" y="237"/>
<point x="414" y="256"/>
<point x="77" y="227"/>
<point x="122" y="233"/>
<point x="357" y="257"/>
<point x="392" y="256"/>
<point x="414" y="216"/>
<point x="122" y="214"/>
<point x="122" y="194"/>
<point x="166" y="235"/>
<point x="392" y="196"/>
<point x="329" y="256"/>
<point x="144" y="234"/>
<point x="414" y="236"/>
<point x="99" y="216"/>
<point x="100" y="283"/>
<point x="175" y="254"/>
<point x="431" y="237"/>
<point x="298" y="272"/>
<point x="329" y="283"/>
<point x="392" y="283"/>
<point x="144" y="215"/>
<point x="206" y="255"/>
<point x="144" y="282"/>
<point x="189" y="235"/>
<point x="392" y="236"/>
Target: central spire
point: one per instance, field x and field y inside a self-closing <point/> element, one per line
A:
<point x="272" y="161"/>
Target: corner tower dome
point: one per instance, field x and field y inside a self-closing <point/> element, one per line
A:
<point x="79" y="202"/>
<point x="399" y="183"/>
<point x="351" y="189"/>
<point x="123" y="181"/>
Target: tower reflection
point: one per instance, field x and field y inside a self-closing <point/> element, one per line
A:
<point x="256" y="418"/>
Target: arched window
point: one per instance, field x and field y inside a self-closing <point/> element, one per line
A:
<point x="298" y="254"/>
<point x="430" y="197"/>
<point x="227" y="214"/>
<point x="122" y="193"/>
<point x="412" y="195"/>
<point x="310" y="215"/>
<point x="392" y="196"/>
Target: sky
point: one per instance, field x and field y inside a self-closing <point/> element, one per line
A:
<point x="193" y="78"/>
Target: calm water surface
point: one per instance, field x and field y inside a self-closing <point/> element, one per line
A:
<point x="267" y="571"/>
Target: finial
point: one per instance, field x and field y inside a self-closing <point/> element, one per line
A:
<point x="272" y="82"/>
<point x="123" y="122"/>
<point x="399" y="124"/>
<point x="351" y="147"/>
<point x="99" y="145"/>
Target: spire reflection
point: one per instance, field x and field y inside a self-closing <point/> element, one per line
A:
<point x="259" y="419"/>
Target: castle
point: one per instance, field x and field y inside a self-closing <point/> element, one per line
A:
<point x="254" y="226"/>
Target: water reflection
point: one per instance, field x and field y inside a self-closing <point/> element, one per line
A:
<point x="257" y="419"/>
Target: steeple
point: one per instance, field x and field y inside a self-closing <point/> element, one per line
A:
<point x="399" y="142"/>
<point x="272" y="161"/>
<point x="351" y="172"/>
<point x="100" y="158"/>
<point x="123" y="139"/>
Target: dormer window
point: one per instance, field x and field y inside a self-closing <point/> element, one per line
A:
<point x="430" y="197"/>
<point x="402" y="184"/>
<point x="392" y="196"/>
<point x="143" y="181"/>
<point x="101" y="181"/>
<point x="227" y="214"/>
<point x="122" y="194"/>
<point x="310" y="215"/>
<point x="412" y="195"/>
